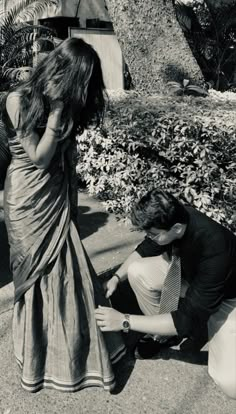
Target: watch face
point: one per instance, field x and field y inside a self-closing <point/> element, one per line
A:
<point x="126" y="324"/>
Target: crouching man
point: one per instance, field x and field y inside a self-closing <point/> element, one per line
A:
<point x="183" y="276"/>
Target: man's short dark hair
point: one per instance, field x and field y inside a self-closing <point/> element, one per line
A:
<point x="158" y="209"/>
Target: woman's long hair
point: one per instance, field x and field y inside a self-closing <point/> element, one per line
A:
<point x="75" y="69"/>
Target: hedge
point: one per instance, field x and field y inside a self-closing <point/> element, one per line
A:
<point x="185" y="145"/>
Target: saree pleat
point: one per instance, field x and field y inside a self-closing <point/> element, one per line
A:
<point x="56" y="339"/>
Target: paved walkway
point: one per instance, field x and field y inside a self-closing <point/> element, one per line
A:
<point x="173" y="383"/>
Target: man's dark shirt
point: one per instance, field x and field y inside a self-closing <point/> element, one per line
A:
<point x="208" y="263"/>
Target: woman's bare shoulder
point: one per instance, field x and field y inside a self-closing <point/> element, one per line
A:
<point x="13" y="104"/>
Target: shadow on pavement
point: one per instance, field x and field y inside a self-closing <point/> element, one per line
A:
<point x="123" y="371"/>
<point x="89" y="223"/>
<point x="115" y="247"/>
<point x="5" y="274"/>
<point x="124" y="368"/>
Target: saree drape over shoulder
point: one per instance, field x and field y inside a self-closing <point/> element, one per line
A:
<point x="56" y="340"/>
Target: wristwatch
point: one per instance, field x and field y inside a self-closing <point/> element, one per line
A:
<point x="126" y="324"/>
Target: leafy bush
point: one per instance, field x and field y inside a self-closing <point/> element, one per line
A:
<point x="185" y="145"/>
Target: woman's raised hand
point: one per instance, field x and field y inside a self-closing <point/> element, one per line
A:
<point x="56" y="105"/>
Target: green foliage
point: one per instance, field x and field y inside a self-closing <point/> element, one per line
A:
<point x="183" y="145"/>
<point x="19" y="42"/>
<point x="211" y="33"/>
<point x="186" y="88"/>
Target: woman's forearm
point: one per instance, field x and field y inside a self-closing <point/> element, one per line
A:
<point x="162" y="325"/>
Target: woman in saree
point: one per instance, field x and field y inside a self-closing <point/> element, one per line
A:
<point x="56" y="341"/>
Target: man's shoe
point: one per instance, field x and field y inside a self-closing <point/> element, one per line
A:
<point x="193" y="345"/>
<point x="148" y="348"/>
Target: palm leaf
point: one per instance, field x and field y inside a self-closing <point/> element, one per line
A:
<point x="175" y="87"/>
<point x="182" y="16"/>
<point x="32" y="7"/>
<point x="197" y="89"/>
<point x="186" y="17"/>
<point x="174" y="84"/>
<point x="35" y="9"/>
<point x="17" y="58"/>
<point x="16" y="54"/>
<point x="26" y="34"/>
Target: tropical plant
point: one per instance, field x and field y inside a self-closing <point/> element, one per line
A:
<point x="211" y="33"/>
<point x="186" y="88"/>
<point x="20" y="41"/>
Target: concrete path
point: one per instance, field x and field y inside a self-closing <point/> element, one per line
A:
<point x="173" y="383"/>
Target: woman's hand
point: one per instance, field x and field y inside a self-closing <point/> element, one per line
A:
<point x="110" y="286"/>
<point x="109" y="319"/>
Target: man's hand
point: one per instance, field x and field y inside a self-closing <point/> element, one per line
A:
<point x="110" y="286"/>
<point x="109" y="319"/>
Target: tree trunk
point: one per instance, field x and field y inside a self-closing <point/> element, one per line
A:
<point x="153" y="44"/>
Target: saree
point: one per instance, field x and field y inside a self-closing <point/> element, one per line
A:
<point x="57" y="343"/>
<point x="5" y="156"/>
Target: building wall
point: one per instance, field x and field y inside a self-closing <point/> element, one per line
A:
<point x="88" y="9"/>
<point x="92" y="9"/>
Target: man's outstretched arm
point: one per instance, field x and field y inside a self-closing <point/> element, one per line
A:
<point x="109" y="319"/>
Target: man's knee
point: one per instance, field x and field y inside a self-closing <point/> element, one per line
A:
<point x="228" y="387"/>
<point x="135" y="272"/>
<point x="227" y="384"/>
<point x="141" y="272"/>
